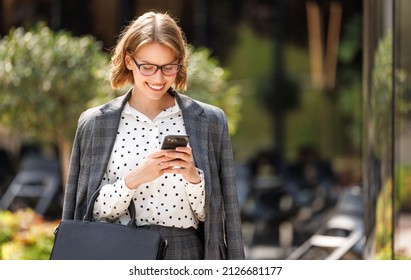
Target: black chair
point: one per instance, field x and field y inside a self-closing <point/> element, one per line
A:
<point x="342" y="234"/>
<point x="37" y="178"/>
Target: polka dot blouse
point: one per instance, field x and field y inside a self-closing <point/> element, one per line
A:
<point x="168" y="200"/>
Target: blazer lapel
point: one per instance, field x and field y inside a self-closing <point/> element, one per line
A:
<point x="196" y="125"/>
<point x="104" y="136"/>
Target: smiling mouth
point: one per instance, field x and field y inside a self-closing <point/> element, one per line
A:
<point x="156" y="87"/>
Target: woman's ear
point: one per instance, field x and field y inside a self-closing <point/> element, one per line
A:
<point x="129" y="62"/>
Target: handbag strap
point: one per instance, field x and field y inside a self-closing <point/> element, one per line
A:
<point x="90" y="206"/>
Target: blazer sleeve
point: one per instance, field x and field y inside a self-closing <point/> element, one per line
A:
<point x="69" y="203"/>
<point x="234" y="239"/>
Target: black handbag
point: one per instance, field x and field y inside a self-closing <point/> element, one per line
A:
<point x="91" y="240"/>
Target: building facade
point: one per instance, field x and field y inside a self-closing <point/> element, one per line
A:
<point x="387" y="129"/>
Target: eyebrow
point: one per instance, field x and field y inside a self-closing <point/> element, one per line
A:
<point x="148" y="62"/>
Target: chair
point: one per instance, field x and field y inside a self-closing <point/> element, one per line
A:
<point x="342" y="234"/>
<point x="38" y="178"/>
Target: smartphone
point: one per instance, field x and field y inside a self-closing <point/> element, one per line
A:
<point x="171" y="142"/>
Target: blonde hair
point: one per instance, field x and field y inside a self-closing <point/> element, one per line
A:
<point x="148" y="28"/>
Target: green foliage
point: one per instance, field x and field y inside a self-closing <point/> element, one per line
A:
<point x="348" y="92"/>
<point x="252" y="60"/>
<point x="381" y="98"/>
<point x="47" y="79"/>
<point x="402" y="187"/>
<point x="24" y="235"/>
<point x="383" y="241"/>
<point x="351" y="43"/>
<point x="252" y="56"/>
<point x="382" y="80"/>
<point x="349" y="105"/>
<point x="208" y="82"/>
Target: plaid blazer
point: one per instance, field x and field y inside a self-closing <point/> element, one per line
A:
<point x="207" y="127"/>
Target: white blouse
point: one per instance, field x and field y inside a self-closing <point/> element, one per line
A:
<point x="169" y="200"/>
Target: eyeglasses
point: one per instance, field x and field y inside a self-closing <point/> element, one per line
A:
<point x="151" y="69"/>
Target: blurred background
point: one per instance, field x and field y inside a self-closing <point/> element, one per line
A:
<point x="317" y="95"/>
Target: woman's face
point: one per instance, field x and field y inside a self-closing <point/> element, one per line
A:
<point x="153" y="86"/>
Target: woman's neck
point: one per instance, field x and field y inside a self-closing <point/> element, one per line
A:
<point x="151" y="108"/>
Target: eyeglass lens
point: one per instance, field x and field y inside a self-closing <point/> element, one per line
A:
<point x="151" y="69"/>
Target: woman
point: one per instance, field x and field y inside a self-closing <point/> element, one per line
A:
<point x="188" y="194"/>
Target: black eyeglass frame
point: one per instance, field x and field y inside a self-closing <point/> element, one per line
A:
<point x="158" y="67"/>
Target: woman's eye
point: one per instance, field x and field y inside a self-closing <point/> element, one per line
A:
<point x="148" y="67"/>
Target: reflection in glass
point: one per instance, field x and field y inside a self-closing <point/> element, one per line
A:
<point x="402" y="86"/>
<point x="378" y="129"/>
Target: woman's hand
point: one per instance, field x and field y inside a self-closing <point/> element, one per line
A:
<point x="148" y="169"/>
<point x="181" y="161"/>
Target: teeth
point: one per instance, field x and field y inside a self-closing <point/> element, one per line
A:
<point x="158" y="87"/>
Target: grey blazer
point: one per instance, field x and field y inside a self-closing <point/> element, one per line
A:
<point x="209" y="138"/>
